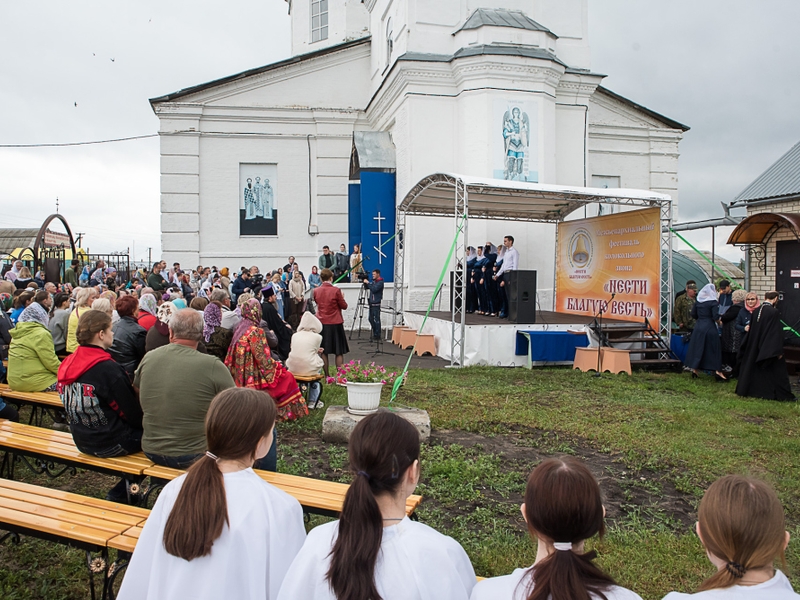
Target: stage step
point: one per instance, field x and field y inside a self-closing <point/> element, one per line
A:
<point x="650" y="363"/>
<point x="649" y="338"/>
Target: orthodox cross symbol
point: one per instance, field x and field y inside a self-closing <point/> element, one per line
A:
<point x="379" y="233"/>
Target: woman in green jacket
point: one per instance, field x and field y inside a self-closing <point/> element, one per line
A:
<point x="32" y="361"/>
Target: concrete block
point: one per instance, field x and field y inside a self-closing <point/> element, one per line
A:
<point x="338" y="423"/>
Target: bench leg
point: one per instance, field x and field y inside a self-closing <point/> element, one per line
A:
<point x="117" y="567"/>
<point x="98" y="565"/>
<point x="11" y="535"/>
<point x="45" y="467"/>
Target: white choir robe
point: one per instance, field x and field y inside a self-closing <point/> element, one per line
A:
<point x="247" y="562"/>
<point x="507" y="587"/>
<point x="415" y="562"/>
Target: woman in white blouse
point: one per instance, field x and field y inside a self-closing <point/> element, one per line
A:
<point x="742" y="527"/>
<point x="374" y="550"/>
<point x="220" y="531"/>
<point x="563" y="509"/>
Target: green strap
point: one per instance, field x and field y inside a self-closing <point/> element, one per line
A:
<point x="399" y="381"/>
<point x="358" y="264"/>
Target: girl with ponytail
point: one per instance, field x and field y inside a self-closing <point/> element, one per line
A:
<point x="220" y="531"/>
<point x="741" y="525"/>
<point x="563" y="509"/>
<point x="374" y="552"/>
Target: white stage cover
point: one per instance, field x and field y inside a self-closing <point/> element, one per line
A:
<point x="492" y="345"/>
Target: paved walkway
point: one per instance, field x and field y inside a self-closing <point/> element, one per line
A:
<point x="390" y="355"/>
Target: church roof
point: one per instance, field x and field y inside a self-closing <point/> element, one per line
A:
<point x="496" y="49"/>
<point x="781" y="179"/>
<point x="651" y="113"/>
<point x="258" y="70"/>
<point x="501" y="17"/>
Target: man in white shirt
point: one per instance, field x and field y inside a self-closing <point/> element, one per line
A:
<point x="510" y="263"/>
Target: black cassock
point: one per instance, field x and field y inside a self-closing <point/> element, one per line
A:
<point x="762" y="373"/>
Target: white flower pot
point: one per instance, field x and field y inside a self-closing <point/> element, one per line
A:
<point x="363" y="398"/>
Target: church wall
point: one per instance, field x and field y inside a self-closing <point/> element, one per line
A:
<point x="347" y="20"/>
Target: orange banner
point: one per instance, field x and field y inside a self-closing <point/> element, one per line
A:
<point x="611" y="263"/>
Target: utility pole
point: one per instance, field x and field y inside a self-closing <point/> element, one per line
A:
<point x="80" y="239"/>
<point x="149" y="257"/>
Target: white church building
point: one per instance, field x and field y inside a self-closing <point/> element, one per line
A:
<point x="286" y="158"/>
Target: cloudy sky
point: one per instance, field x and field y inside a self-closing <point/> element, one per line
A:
<point x="83" y="70"/>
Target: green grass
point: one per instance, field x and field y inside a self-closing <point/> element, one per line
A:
<point x="656" y="440"/>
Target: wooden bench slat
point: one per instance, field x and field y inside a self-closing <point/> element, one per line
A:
<point x="124" y="542"/>
<point x="10" y="485"/>
<point x="32" y="501"/>
<point x="51" y="526"/>
<point x="65" y="515"/>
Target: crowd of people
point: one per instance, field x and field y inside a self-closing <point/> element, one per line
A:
<point x="734" y="335"/>
<point x="112" y="349"/>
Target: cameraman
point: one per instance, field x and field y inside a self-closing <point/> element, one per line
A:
<point x="238" y="287"/>
<point x="375" y="298"/>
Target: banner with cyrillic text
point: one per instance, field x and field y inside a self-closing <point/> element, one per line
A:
<point x="610" y="263"/>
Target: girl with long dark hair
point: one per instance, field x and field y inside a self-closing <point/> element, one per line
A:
<point x="374" y="552"/>
<point x="563" y="508"/>
<point x="220" y="531"/>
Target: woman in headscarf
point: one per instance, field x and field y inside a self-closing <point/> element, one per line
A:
<point x="705" y="352"/>
<point x="732" y="337"/>
<point x="751" y="303"/>
<point x="356" y="264"/>
<point x="278" y="287"/>
<point x="480" y="264"/>
<point x="13" y="273"/>
<point x="275" y="323"/>
<point x="313" y="280"/>
<point x="148" y="309"/>
<point x="32" y="361"/>
<point x="158" y="335"/>
<point x="252" y="366"/>
<point x="217" y="338"/>
<point x="762" y="372"/>
<point x="224" y="278"/>
<point x="490" y="252"/>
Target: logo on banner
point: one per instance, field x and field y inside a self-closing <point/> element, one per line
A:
<point x="580" y="251"/>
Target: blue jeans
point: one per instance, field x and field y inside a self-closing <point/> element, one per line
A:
<point x="270" y="461"/>
<point x="174" y="462"/>
<point x="375" y="319"/>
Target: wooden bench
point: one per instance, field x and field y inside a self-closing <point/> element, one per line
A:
<point x="304" y="383"/>
<point x="317" y="496"/>
<point x="40" y="402"/>
<point x="57" y="447"/>
<point x="89" y="524"/>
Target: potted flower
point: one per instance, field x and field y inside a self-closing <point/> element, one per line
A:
<point x="364" y="384"/>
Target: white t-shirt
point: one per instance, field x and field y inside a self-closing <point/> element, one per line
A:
<point x="777" y="588"/>
<point x="508" y="587"/>
<point x="247" y="562"/>
<point x="415" y="562"/>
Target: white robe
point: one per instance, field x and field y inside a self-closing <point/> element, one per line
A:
<point x="247" y="562"/>
<point x="777" y="588"/>
<point x="415" y="563"/>
<point x="508" y="587"/>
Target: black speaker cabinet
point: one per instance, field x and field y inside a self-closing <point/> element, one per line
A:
<point x="521" y="291"/>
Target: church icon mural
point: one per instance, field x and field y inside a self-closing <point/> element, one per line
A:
<point x="258" y="210"/>
<point x="516" y="148"/>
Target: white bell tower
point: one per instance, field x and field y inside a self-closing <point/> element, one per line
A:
<point x="319" y="24"/>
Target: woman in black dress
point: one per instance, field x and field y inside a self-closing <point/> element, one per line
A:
<point x="705" y="352"/>
<point x="731" y="336"/>
<point x="762" y="372"/>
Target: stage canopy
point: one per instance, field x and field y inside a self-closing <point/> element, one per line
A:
<point x="515" y="200"/>
<point x="465" y="197"/>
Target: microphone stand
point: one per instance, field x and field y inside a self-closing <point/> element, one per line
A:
<point x="603" y="308"/>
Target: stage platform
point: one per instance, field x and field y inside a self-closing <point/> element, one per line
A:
<point x="493" y="341"/>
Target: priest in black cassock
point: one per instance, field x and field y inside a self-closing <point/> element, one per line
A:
<point x="763" y="371"/>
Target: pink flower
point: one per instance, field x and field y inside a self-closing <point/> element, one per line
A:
<point x="383" y="381"/>
<point x="330" y="380"/>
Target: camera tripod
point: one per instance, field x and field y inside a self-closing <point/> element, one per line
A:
<point x="363" y="294"/>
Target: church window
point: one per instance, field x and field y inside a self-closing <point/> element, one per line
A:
<point x="389" y="41"/>
<point x="319" y="20"/>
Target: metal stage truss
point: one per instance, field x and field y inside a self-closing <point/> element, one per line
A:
<point x="463" y="198"/>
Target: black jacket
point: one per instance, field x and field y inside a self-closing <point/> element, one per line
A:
<point x="128" y="347"/>
<point x="102" y="408"/>
<point x="375" y="291"/>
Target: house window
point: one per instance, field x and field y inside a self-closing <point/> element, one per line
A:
<point x="319" y="20"/>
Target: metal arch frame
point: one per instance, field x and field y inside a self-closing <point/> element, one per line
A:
<point x="40" y="239"/>
<point x="461" y="211"/>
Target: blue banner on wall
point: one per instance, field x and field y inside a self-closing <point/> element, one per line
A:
<point x="377" y="211"/>
<point x="353" y="215"/>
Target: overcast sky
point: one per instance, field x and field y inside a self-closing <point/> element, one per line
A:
<point x="84" y="70"/>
